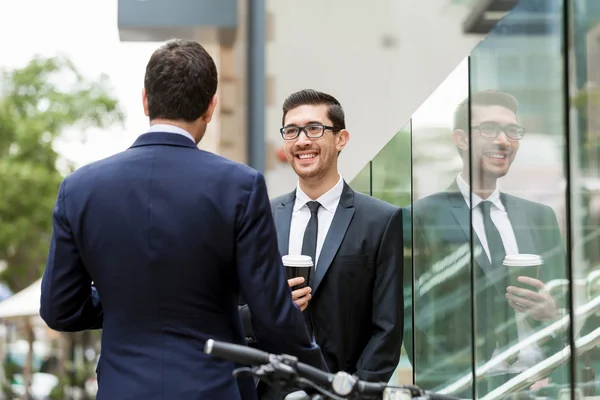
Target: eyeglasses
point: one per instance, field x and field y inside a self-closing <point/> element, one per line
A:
<point x="312" y="131"/>
<point x="491" y="131"/>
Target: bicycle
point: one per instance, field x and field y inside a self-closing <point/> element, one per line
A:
<point x="282" y="370"/>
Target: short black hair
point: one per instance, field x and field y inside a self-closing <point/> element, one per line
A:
<point x="335" y="112"/>
<point x="483" y="98"/>
<point x="180" y="81"/>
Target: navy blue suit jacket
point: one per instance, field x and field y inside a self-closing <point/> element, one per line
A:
<point x="170" y="236"/>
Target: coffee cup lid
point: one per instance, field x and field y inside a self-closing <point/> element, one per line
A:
<point x="297" y="261"/>
<point x="522" y="260"/>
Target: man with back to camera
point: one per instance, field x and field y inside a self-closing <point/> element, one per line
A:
<point x="504" y="225"/>
<point x="170" y="236"/>
<point x="353" y="304"/>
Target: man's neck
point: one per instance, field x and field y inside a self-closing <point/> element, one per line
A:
<point x="481" y="186"/>
<point x="189" y="127"/>
<point x="318" y="187"/>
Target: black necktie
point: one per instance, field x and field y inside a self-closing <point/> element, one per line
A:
<point x="494" y="240"/>
<point x="309" y="243"/>
<point x="500" y="305"/>
<point x="309" y="248"/>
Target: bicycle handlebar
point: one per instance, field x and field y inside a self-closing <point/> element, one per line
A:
<point x="249" y="356"/>
<point x="236" y="353"/>
<point x="340" y="381"/>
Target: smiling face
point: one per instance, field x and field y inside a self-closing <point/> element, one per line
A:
<point x="314" y="158"/>
<point x="491" y="157"/>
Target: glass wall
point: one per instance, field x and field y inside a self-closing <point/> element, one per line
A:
<point x="391" y="170"/>
<point x="517" y="164"/>
<point x="502" y="224"/>
<point x="391" y="181"/>
<point x="584" y="187"/>
<point x="440" y="265"/>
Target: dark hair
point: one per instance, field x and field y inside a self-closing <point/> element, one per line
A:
<point x="484" y="98"/>
<point x="335" y="112"/>
<point x="181" y="80"/>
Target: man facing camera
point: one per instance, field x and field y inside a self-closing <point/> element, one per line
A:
<point x="507" y="309"/>
<point x="353" y="304"/>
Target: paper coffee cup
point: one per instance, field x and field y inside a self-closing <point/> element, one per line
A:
<point x="298" y="266"/>
<point x="522" y="265"/>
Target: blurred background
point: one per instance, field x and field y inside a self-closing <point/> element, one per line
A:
<point x="70" y="94"/>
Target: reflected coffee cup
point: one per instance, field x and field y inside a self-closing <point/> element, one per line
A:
<point x="522" y="265"/>
<point x="298" y="266"/>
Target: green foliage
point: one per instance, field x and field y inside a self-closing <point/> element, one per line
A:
<point x="7" y="392"/>
<point x="10" y="370"/>
<point x="391" y="171"/>
<point x="388" y="176"/>
<point x="38" y="104"/>
<point x="362" y="181"/>
<point x="586" y="100"/>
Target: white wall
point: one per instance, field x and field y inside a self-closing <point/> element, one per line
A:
<point x="338" y="46"/>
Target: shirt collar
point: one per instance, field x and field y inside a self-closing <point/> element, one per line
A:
<point x="328" y="200"/>
<point x="171" y="129"/>
<point x="465" y="190"/>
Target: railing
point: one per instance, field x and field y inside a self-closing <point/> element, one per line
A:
<point x="523" y="379"/>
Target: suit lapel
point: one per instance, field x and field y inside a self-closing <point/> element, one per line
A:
<point x="339" y="225"/>
<point x="283" y="220"/>
<point x="520" y="224"/>
<point x="461" y="214"/>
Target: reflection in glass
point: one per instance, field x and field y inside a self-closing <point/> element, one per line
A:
<point x="491" y="238"/>
<point x="362" y="181"/>
<point x="388" y="178"/>
<point x="441" y="250"/>
<point x="584" y="140"/>
<point x="519" y="249"/>
<point x="517" y="198"/>
<point x="391" y="182"/>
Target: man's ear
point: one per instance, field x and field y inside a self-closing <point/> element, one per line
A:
<point x="461" y="140"/>
<point x="341" y="139"/>
<point x="145" y="102"/>
<point x="207" y="117"/>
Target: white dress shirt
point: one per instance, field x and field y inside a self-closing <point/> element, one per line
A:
<point x="531" y="355"/>
<point x="301" y="215"/>
<point x="171" y="129"/>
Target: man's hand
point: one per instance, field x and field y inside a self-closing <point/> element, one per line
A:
<point x="540" y="384"/>
<point x="538" y="305"/>
<point x="300" y="296"/>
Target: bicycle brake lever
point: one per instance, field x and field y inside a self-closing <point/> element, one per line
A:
<point x="244" y="371"/>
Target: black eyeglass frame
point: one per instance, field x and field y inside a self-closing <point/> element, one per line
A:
<point x="500" y="128"/>
<point x="303" y="129"/>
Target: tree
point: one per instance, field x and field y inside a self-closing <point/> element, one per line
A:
<point x="38" y="104"/>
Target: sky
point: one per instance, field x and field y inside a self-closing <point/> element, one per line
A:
<point x="86" y="31"/>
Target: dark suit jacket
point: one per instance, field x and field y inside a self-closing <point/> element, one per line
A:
<point x="357" y="302"/>
<point x="171" y="236"/>
<point x="441" y="257"/>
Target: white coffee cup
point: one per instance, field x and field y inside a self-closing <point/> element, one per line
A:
<point x="522" y="265"/>
<point x="298" y="266"/>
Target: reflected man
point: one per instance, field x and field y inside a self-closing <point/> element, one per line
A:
<point x="503" y="225"/>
